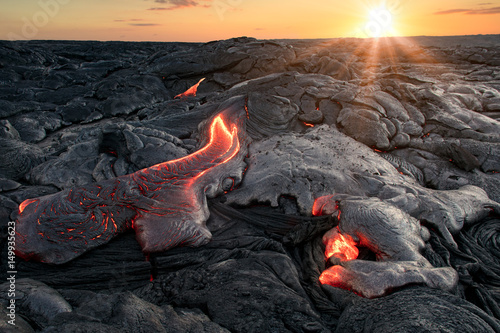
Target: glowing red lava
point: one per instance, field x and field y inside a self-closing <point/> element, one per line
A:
<point x="320" y="204"/>
<point x="221" y="140"/>
<point x="25" y="203"/>
<point x="191" y="91"/>
<point x="344" y="248"/>
<point x="335" y="277"/>
<point x="339" y="245"/>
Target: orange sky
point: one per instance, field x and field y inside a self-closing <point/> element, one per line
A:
<point x="205" y="20"/>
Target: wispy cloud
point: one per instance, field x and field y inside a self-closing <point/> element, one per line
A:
<point x="177" y="4"/>
<point x="452" y="11"/>
<point x="484" y="11"/>
<point x="144" y="24"/>
<point x="493" y="10"/>
<point x="133" y="22"/>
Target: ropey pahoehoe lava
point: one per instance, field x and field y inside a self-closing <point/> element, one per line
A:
<point x="337" y="185"/>
<point x="165" y="204"/>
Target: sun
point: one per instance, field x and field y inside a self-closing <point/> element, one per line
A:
<point x="379" y="23"/>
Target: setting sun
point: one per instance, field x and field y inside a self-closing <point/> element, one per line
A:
<point x="380" y="23"/>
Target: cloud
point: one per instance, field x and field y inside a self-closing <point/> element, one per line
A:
<point x="144" y="24"/>
<point x="177" y="4"/>
<point x="131" y="20"/>
<point x="485" y="11"/>
<point x="493" y="10"/>
<point x="452" y="11"/>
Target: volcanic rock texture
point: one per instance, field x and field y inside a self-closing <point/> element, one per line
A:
<point x="392" y="143"/>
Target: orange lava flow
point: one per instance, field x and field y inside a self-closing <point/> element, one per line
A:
<point x="344" y="248"/>
<point x="221" y="141"/>
<point x="191" y="91"/>
<point x="319" y="205"/>
<point x="219" y="130"/>
<point x="340" y="246"/>
<point x="25" y="203"/>
<point x="332" y="276"/>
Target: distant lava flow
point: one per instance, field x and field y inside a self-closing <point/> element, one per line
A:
<point x="165" y="204"/>
<point x="191" y="91"/>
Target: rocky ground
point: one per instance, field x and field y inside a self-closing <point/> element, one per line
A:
<point x="407" y="131"/>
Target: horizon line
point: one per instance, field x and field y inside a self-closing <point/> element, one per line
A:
<point x="215" y="40"/>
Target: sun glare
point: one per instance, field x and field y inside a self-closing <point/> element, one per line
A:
<point x="379" y="23"/>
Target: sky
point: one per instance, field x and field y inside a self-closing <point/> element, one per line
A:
<point x="206" y="20"/>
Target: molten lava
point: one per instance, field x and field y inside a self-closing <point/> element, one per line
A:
<point x="335" y="277"/>
<point x="165" y="204"/>
<point x="344" y="248"/>
<point x="221" y="140"/>
<point x="191" y="91"/>
<point x="337" y="245"/>
<point x="322" y="205"/>
<point x="340" y="246"/>
<point x="25" y="203"/>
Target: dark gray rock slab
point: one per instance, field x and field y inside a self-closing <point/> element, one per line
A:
<point x="8" y="185"/>
<point x="33" y="127"/>
<point x="415" y="310"/>
<point x="21" y="325"/>
<point x="18" y="158"/>
<point x="125" y="312"/>
<point x="6" y="109"/>
<point x="364" y="126"/>
<point x="312" y="118"/>
<point x="269" y="115"/>
<point x="35" y="300"/>
<point x="7" y="131"/>
<point x="78" y="110"/>
<point x="320" y="162"/>
<point x="266" y="287"/>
